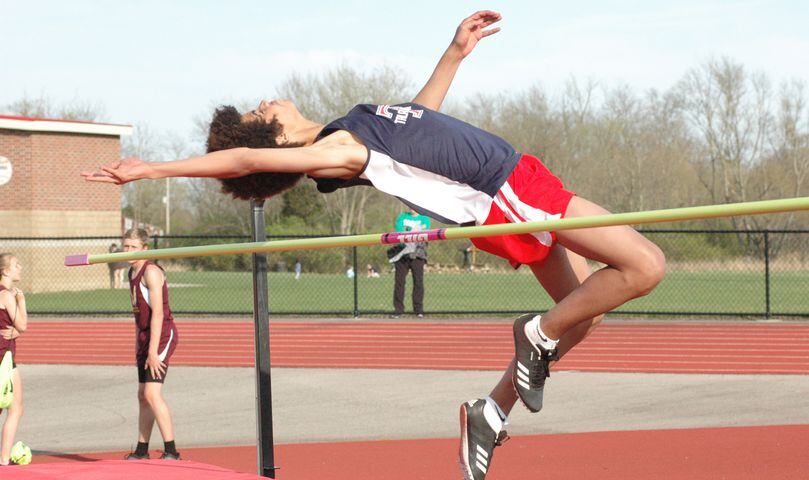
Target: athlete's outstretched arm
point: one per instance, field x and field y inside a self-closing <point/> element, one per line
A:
<point x="467" y="35"/>
<point x="236" y="162"/>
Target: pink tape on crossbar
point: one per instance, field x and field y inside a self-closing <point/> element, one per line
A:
<point x="410" y="237"/>
<point x="77" y="260"/>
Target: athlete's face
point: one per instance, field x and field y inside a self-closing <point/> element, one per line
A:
<point x="134" y="245"/>
<point x="14" y="270"/>
<point x="284" y="111"/>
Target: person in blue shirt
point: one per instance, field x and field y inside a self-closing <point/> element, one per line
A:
<point x="452" y="172"/>
<point x="412" y="258"/>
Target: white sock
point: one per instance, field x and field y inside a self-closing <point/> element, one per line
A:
<point x="494" y="415"/>
<point x="537" y="336"/>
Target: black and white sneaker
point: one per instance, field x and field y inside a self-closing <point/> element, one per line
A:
<point x="478" y="438"/>
<point x="170" y="456"/>
<point x="532" y="365"/>
<point x="136" y="456"/>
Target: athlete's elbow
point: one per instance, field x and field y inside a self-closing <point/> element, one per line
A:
<point x="245" y="162"/>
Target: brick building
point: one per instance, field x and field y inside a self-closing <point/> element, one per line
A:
<point x="44" y="196"/>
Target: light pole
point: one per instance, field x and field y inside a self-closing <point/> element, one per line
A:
<point x="167" y="201"/>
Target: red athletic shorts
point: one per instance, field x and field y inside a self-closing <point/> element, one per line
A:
<point x="531" y="193"/>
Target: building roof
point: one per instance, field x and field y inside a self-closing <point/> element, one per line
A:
<point x="34" y="124"/>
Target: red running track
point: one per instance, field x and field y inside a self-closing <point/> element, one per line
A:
<point x="753" y="453"/>
<point x="617" y="347"/>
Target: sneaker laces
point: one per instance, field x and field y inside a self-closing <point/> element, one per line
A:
<point x="502" y="438"/>
<point x="542" y="369"/>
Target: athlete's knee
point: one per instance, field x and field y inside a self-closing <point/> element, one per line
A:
<point x="651" y="268"/>
<point x="152" y="397"/>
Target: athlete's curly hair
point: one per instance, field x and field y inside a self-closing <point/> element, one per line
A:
<point x="228" y="131"/>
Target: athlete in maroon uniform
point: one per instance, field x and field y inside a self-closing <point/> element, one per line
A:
<point x="143" y="311"/>
<point x="7" y="322"/>
<point x="156" y="339"/>
<point x="13" y="322"/>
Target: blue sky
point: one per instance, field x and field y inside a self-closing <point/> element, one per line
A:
<point x="163" y="62"/>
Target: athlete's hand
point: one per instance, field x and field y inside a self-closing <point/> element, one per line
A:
<point x="472" y="29"/>
<point x="120" y="172"/>
<point x="19" y="296"/>
<point x="9" y="333"/>
<point x="155" y="366"/>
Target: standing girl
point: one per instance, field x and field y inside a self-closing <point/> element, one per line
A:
<point x="13" y="322"/>
<point x="156" y="339"/>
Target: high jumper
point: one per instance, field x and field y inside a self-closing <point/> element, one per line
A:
<point x="455" y="173"/>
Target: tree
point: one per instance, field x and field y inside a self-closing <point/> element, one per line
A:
<point x="791" y="141"/>
<point x="729" y="110"/>
<point x="45" y="107"/>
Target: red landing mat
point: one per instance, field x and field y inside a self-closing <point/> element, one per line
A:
<point x="123" y="470"/>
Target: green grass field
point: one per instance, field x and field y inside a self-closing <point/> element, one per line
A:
<point x="713" y="292"/>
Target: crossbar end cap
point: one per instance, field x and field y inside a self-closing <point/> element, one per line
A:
<point x="77" y="260"/>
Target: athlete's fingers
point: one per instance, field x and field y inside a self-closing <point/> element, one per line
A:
<point x="112" y="171"/>
<point x="482" y="14"/>
<point x="471" y="17"/>
<point x="92" y="174"/>
<point x="479" y="25"/>
<point x="99" y="177"/>
<point x="103" y="180"/>
<point x="95" y="174"/>
<point x="488" y="21"/>
<point x="478" y="15"/>
<point x="151" y="369"/>
<point x="489" y="17"/>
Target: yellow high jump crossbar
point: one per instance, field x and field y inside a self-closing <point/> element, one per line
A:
<point x="631" y="218"/>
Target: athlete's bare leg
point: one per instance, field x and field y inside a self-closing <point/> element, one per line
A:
<point x="13" y="415"/>
<point x="634" y="266"/>
<point x="153" y="393"/>
<point x="559" y="274"/>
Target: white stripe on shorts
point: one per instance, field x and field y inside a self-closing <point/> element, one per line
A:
<point x="517" y="211"/>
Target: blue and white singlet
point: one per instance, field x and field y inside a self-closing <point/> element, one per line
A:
<point x="438" y="165"/>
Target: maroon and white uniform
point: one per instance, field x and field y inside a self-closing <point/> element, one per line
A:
<point x="142" y="308"/>
<point x="5" y="322"/>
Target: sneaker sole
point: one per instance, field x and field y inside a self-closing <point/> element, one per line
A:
<point x="463" y="452"/>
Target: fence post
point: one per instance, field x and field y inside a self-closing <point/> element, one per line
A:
<point x="356" y="284"/>
<point x="154" y="242"/>
<point x="768" y="311"/>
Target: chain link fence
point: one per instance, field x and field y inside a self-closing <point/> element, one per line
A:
<point x="710" y="272"/>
